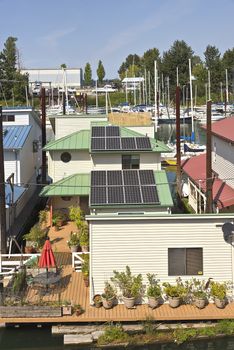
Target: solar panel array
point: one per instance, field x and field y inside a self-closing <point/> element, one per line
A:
<point x="123" y="187"/>
<point x="108" y="138"/>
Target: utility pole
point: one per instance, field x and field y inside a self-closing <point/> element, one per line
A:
<point x="3" y="238"/>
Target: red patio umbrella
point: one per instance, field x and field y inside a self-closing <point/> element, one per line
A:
<point x="47" y="258"/>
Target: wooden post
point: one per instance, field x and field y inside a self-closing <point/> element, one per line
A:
<point x="43" y="135"/>
<point x="209" y="180"/>
<point x="3" y="238"/>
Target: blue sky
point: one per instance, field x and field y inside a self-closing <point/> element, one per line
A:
<point x="52" y="32"/>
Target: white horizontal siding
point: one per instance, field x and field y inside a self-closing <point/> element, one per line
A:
<point x="150" y="161"/>
<point x="143" y="245"/>
<point x="11" y="165"/>
<point x="80" y="163"/>
<point x="66" y="126"/>
<point x="107" y="161"/>
<point x="20" y="119"/>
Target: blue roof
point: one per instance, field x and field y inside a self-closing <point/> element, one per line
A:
<point x="15" y="136"/>
<point x="18" y="191"/>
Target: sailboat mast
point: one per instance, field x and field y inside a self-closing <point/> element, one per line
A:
<point x="226" y="73"/>
<point x="155" y="98"/>
<point x="191" y="94"/>
<point x="209" y="98"/>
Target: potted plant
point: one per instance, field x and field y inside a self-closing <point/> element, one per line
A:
<point x="97" y="300"/>
<point x="218" y="291"/>
<point x="66" y="308"/>
<point x="175" y="293"/>
<point x="36" y="237"/>
<point x="154" y="291"/>
<point x="199" y="292"/>
<point x="130" y="286"/>
<point x="76" y="215"/>
<point x="108" y="296"/>
<point x="78" y="309"/>
<point x="84" y="237"/>
<point x="73" y="242"/>
<point x="85" y="269"/>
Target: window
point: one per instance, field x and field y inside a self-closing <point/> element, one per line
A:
<point x="131" y="161"/>
<point x="8" y="118"/>
<point x="185" y="261"/>
<point x="65" y="157"/>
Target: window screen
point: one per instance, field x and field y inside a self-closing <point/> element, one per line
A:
<point x="185" y="261"/>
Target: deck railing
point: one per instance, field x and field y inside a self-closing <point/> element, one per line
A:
<point x="10" y="263"/>
<point x="77" y="260"/>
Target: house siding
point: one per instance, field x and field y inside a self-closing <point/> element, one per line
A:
<point x="150" y="161"/>
<point x="143" y="245"/>
<point x="80" y="164"/>
<point x="223" y="159"/>
<point x="107" y="161"/>
<point x="66" y="126"/>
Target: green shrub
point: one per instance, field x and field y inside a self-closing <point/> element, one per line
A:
<point x="37" y="236"/>
<point x="113" y="334"/>
<point x="130" y="285"/>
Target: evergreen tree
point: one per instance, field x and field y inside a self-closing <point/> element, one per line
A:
<point x="133" y="61"/>
<point x="214" y="64"/>
<point x="88" y="75"/>
<point x="14" y="82"/>
<point x="228" y="63"/>
<point x="177" y="56"/>
<point x="148" y="60"/>
<point x="100" y="71"/>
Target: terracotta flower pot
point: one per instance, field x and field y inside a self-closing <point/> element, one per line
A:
<point x="220" y="303"/>
<point x="200" y="303"/>
<point x="108" y="303"/>
<point x="153" y="302"/>
<point x="129" y="302"/>
<point x="74" y="248"/>
<point x="174" y="301"/>
<point x="86" y="281"/>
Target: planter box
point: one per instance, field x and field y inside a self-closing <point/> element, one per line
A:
<point x="30" y="311"/>
<point x="67" y="310"/>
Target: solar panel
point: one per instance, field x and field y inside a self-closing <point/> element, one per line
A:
<point x="130" y="177"/>
<point x="98" y="178"/>
<point x="98" y="195"/>
<point x="115" y="195"/>
<point x="97" y="143"/>
<point x="113" y="143"/>
<point x="98" y="131"/>
<point x="132" y="194"/>
<point x="149" y="194"/>
<point x="146" y="177"/>
<point x="112" y="131"/>
<point x="143" y="143"/>
<point x="128" y="143"/>
<point x="114" y="178"/>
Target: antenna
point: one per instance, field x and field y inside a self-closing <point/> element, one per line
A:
<point x="228" y="232"/>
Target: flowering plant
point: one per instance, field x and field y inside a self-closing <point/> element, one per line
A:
<point x="74" y="239"/>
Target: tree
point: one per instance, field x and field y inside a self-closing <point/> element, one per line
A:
<point x="8" y="65"/>
<point x="100" y="71"/>
<point x="63" y="66"/>
<point x="13" y="81"/>
<point x="148" y="59"/>
<point x="88" y="75"/>
<point x="177" y="56"/>
<point x="214" y="64"/>
<point x="133" y="61"/>
<point x="228" y="63"/>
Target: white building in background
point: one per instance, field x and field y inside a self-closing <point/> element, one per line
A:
<point x="132" y="83"/>
<point x="54" y="77"/>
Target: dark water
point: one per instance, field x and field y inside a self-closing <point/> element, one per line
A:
<point x="167" y="133"/>
<point x="41" y="339"/>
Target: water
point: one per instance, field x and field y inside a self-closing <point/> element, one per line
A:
<point x="26" y="338"/>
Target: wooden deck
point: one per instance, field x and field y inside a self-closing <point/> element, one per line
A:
<point x="71" y="287"/>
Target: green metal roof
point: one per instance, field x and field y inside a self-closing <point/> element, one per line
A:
<point x="77" y="140"/>
<point x="81" y="140"/>
<point x="74" y="185"/>
<point x="163" y="188"/>
<point x="79" y="185"/>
